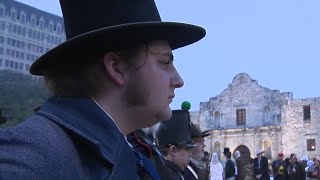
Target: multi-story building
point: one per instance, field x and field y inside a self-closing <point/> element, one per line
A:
<point x="25" y="34"/>
<point x="247" y="117"/>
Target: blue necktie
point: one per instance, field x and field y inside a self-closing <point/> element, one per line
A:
<point x="146" y="164"/>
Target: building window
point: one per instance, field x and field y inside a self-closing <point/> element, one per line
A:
<point x="21" y="66"/>
<point x="23" y="18"/>
<point x="1" y="39"/>
<point x="2" y="25"/>
<point x="6" y="63"/>
<point x="1" y="11"/>
<point x="306" y="113"/>
<point x="27" y="67"/>
<point x="33" y="20"/>
<point x="279" y="118"/>
<point x="241" y="117"/>
<point x="311" y="144"/>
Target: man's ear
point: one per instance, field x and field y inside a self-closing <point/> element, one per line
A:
<point x="172" y="150"/>
<point x="115" y="68"/>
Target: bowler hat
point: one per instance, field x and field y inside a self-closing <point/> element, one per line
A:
<point x="196" y="132"/>
<point x="176" y="131"/>
<point x="93" y="27"/>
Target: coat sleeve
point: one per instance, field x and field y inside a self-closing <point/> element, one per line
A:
<point x="34" y="150"/>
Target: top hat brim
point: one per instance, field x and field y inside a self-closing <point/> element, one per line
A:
<point x="98" y="41"/>
<point x="202" y="135"/>
<point x="206" y="133"/>
<point x="190" y="145"/>
<point x="187" y="145"/>
<point x="259" y="152"/>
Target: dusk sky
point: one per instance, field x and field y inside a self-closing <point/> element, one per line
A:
<point x="277" y="42"/>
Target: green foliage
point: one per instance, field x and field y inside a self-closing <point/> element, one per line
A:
<point x="19" y="95"/>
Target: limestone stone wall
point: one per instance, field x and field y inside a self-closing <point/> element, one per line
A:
<point x="262" y="105"/>
<point x="296" y="130"/>
<point x="274" y="120"/>
<point x="266" y="138"/>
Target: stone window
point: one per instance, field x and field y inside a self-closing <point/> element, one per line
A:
<point x="217" y="116"/>
<point x="241" y="117"/>
<point x="311" y="144"/>
<point x="279" y="118"/>
<point x="266" y="115"/>
<point x="306" y="113"/>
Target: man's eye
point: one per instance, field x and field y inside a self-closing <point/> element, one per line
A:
<point x="166" y="64"/>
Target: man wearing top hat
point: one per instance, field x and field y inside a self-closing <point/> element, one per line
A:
<point x="196" y="169"/>
<point x="174" y="140"/>
<point x="226" y="150"/>
<point x="260" y="166"/>
<point x="114" y="74"/>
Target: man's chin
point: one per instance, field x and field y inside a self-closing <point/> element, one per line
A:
<point x="164" y="115"/>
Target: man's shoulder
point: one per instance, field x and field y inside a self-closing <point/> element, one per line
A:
<point x="35" y="130"/>
<point x="36" y="145"/>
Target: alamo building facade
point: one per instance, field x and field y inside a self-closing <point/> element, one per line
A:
<point x="247" y="117"/>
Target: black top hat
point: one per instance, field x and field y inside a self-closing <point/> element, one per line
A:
<point x="225" y="150"/>
<point x="176" y="131"/>
<point x="196" y="132"/>
<point x="92" y="27"/>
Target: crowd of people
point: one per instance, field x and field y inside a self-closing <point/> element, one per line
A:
<point x="290" y="168"/>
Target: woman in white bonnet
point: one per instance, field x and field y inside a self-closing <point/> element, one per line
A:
<point x="216" y="168"/>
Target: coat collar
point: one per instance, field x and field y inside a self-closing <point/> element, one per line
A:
<point x="85" y="118"/>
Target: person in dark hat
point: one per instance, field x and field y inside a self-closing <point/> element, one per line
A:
<point x="174" y="139"/>
<point x="279" y="168"/>
<point x="196" y="168"/>
<point x="114" y="74"/>
<point x="226" y="151"/>
<point x="260" y="166"/>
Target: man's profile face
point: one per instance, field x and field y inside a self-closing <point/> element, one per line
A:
<point x="198" y="152"/>
<point x="259" y="155"/>
<point x="182" y="157"/>
<point x="152" y="86"/>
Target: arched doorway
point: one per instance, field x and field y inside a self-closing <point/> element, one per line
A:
<point x="267" y="148"/>
<point x="244" y="151"/>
